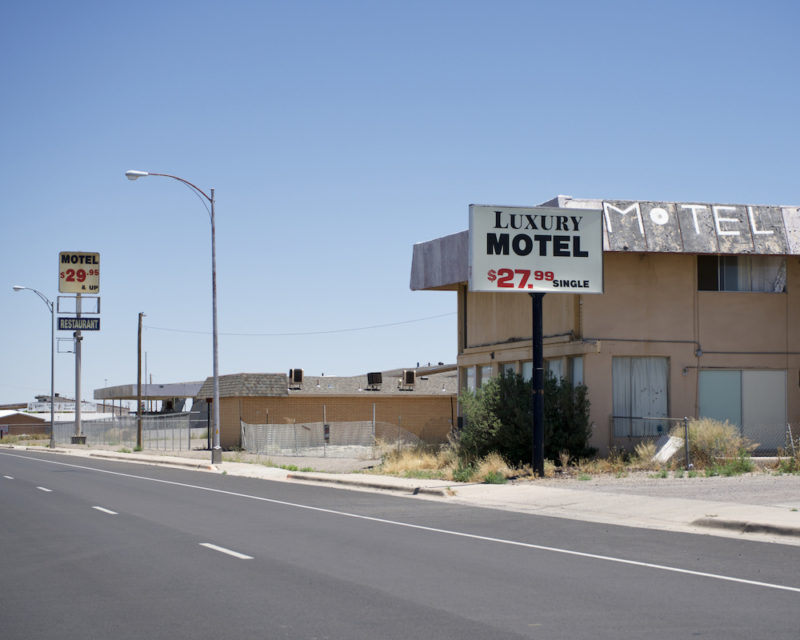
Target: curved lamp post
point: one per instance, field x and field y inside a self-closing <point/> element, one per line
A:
<point x="216" y="451"/>
<point x="51" y="307"/>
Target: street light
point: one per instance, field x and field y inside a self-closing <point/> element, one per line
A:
<point x="50" y="306"/>
<point x="216" y="451"/>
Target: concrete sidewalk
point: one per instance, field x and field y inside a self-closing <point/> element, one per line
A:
<point x="761" y="507"/>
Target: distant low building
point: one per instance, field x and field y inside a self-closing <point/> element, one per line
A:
<point x="421" y="402"/>
<point x="17" y="423"/>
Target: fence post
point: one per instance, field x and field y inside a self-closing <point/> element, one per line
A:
<point x="686" y="441"/>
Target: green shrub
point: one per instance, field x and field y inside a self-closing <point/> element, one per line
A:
<point x="497" y="418"/>
<point x="566" y="419"/>
<point x="494" y="477"/>
<point x="788" y="465"/>
<point x="463" y="473"/>
<point x="735" y="467"/>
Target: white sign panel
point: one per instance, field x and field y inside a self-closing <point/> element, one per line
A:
<point x="79" y="272"/>
<point x="536" y="249"/>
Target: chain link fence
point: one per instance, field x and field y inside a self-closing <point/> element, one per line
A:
<point x="167" y="433"/>
<point x="338" y="437"/>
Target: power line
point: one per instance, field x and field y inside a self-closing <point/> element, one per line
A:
<point x="303" y="333"/>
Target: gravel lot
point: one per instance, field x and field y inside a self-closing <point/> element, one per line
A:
<point x="758" y="488"/>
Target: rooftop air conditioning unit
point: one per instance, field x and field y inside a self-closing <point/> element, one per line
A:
<point x="374" y="378"/>
<point x="409" y="377"/>
<point x="295" y="376"/>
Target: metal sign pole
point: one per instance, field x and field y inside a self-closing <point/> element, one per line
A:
<point x="537" y="386"/>
<point x="78" y="339"/>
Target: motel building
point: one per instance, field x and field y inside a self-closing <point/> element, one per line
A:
<point x="698" y="317"/>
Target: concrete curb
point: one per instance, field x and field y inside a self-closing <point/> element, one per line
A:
<point x="747" y="527"/>
<point x="125" y="457"/>
<point x="382" y="486"/>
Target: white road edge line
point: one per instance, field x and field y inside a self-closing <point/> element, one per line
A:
<point x="104" y="510"/>
<point x="229" y="552"/>
<point x="45" y="489"/>
<point x="472" y="536"/>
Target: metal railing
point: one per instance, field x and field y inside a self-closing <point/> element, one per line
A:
<point x="768" y="440"/>
<point x="653" y="428"/>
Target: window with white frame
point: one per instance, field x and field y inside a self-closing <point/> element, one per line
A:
<point x="639" y="396"/>
<point x="509" y="367"/>
<point x="471" y="379"/>
<point x="555" y="367"/>
<point x="577" y="370"/>
<point x="486" y="374"/>
<point x="741" y="273"/>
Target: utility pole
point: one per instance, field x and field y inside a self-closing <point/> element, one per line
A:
<point x="78" y="438"/>
<point x="139" y="444"/>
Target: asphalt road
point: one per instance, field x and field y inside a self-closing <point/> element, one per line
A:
<point x="97" y="549"/>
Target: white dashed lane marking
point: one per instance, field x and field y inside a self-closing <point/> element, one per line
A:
<point x="229" y="552"/>
<point x="104" y="510"/>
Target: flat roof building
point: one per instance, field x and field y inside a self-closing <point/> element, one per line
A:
<point x="698" y="317"/>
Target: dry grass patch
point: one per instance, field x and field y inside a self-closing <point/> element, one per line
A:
<point x="33" y="439"/>
<point x="616" y="463"/>
<point x="642" y="459"/>
<point x="443" y="463"/>
<point x="413" y="462"/>
<point x="493" y="470"/>
<point x="712" y="441"/>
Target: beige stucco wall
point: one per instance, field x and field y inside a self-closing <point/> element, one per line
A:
<point x="651" y="307"/>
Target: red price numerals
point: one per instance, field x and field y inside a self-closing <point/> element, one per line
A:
<point x="506" y="278"/>
<point x="78" y="275"/>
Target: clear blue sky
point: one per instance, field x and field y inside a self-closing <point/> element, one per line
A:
<point x="336" y="135"/>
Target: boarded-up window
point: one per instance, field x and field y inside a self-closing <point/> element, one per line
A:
<point x="640" y="395"/>
<point x="755" y="401"/>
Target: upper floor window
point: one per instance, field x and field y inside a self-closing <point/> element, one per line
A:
<point x="741" y="273"/>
